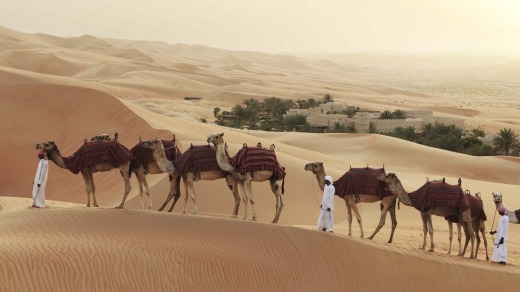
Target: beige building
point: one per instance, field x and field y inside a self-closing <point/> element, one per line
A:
<point x="323" y="116"/>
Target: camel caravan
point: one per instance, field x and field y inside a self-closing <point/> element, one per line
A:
<point x="257" y="164"/>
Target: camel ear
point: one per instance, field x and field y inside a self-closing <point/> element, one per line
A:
<point x="320" y="163"/>
<point x="221" y="135"/>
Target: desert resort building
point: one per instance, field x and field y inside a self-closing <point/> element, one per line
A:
<point x="328" y="114"/>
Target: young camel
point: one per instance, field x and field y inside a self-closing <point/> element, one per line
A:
<point x="245" y="180"/>
<point x="189" y="177"/>
<point x="464" y="217"/>
<point x="387" y="203"/>
<point x="478" y="219"/>
<point x="54" y="154"/>
<point x="497" y="198"/>
<point x="142" y="168"/>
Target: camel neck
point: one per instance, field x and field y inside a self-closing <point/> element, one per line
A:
<point x="55" y="156"/>
<point x="400" y="192"/>
<point x="222" y="159"/>
<point x="320" y="177"/>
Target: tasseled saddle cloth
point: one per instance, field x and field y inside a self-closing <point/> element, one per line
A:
<point x="439" y="194"/>
<point x="143" y="156"/>
<point x="251" y="159"/>
<point x="92" y="153"/>
<point x="361" y="181"/>
<point x="477" y="209"/>
<point x="197" y="159"/>
<point x="517" y="213"/>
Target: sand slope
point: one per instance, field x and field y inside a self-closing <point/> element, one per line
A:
<point x="75" y="248"/>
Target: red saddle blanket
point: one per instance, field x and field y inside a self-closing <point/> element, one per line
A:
<point x="362" y="181"/>
<point x="251" y="159"/>
<point x="92" y="153"/>
<point x="439" y="194"/>
<point x="477" y="208"/>
<point x="517" y="213"/>
<point x="143" y="156"/>
<point x="197" y="159"/>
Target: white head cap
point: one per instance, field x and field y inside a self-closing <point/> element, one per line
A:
<point x="329" y="178"/>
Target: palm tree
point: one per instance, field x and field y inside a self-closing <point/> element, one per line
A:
<point x="399" y="114"/>
<point x="386" y="115"/>
<point x="328" y="98"/>
<point x="505" y="140"/>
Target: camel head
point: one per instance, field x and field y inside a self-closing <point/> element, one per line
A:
<point x="47" y="146"/>
<point x="497" y="197"/>
<point x="153" y="144"/>
<point x="315" y="167"/>
<point x="216" y="138"/>
<point x="389" y="178"/>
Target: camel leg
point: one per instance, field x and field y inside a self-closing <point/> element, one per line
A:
<point x="125" y="173"/>
<point x="277" y="190"/>
<point x="382" y="219"/>
<point x="87" y="185"/>
<point x="424" y="218"/>
<point x="147" y="192"/>
<point x="175" y="191"/>
<point x="459" y="238"/>
<point x="430" y="227"/>
<point x="477" y="237"/>
<point x="232" y="185"/>
<point x="349" y="216"/>
<point x="450" y="225"/>
<point x="138" y="176"/>
<point x="394" y="221"/>
<point x="469" y="228"/>
<point x="353" y="204"/>
<point x="483" y="231"/>
<point x="186" y="194"/>
<point x="170" y="194"/>
<point x="245" y="198"/>
<point x="92" y="187"/>
<point x="249" y="190"/>
<point x="193" y="196"/>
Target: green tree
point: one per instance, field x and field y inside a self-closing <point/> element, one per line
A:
<point x="505" y="141"/>
<point x="216" y="111"/>
<point x="385" y="115"/>
<point x="327" y="98"/>
<point x="399" y="114"/>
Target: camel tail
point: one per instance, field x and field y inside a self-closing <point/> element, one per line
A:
<point x="398" y="204"/>
<point x="283" y="184"/>
<point x="129" y="170"/>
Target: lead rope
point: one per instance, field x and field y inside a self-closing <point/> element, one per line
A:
<point x="314" y="191"/>
<point x="493" y="224"/>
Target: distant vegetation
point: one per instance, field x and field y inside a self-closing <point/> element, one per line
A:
<point x="267" y="115"/>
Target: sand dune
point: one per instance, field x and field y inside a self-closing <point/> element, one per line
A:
<point x="69" y="89"/>
<point x="207" y="254"/>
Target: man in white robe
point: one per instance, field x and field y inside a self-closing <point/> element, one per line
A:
<point x="326" y="218"/>
<point x="40" y="181"/>
<point x="500" y="244"/>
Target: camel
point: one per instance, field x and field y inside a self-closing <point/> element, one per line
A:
<point x="245" y="180"/>
<point x="189" y="177"/>
<point x="395" y="186"/>
<point x="387" y="203"/>
<point x="141" y="169"/>
<point x="478" y="220"/>
<point x="54" y="155"/>
<point x="497" y="198"/>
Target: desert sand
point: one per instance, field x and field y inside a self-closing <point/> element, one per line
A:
<point x="69" y="89"/>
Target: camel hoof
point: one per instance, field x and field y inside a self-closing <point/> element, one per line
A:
<point x="487" y="258"/>
<point x="234" y="216"/>
<point x="119" y="207"/>
<point x="253" y="219"/>
<point x="98" y="206"/>
<point x="430" y="250"/>
<point x="421" y="248"/>
<point x="370" y="237"/>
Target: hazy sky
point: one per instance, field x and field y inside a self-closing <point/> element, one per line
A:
<point x="282" y="25"/>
